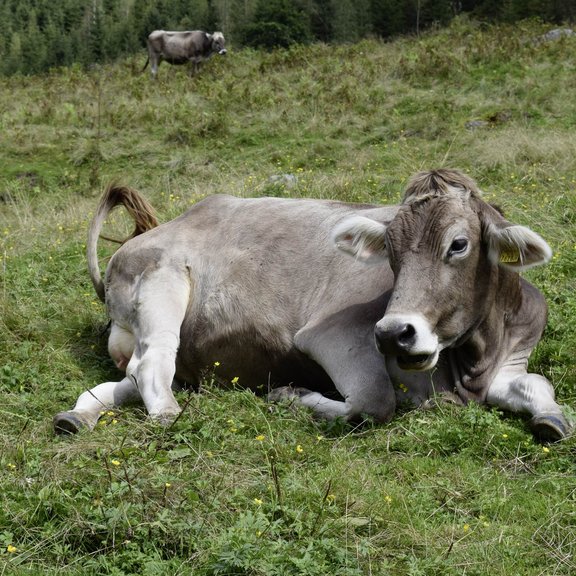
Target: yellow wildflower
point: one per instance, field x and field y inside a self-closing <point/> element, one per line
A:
<point x="257" y="501"/>
<point x="115" y="462"/>
<point x="299" y="449"/>
<point x="545" y="449"/>
<point x="235" y="380"/>
<point x="11" y="549"/>
<point x="260" y="437"/>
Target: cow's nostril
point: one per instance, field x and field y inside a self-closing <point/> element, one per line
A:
<point x="395" y="338"/>
<point x="406" y="334"/>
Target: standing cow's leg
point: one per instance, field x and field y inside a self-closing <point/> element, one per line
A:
<point x="154" y="62"/>
<point x="357" y="370"/>
<point x="518" y="391"/>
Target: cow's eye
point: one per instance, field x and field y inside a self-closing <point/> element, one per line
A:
<point x="458" y="246"/>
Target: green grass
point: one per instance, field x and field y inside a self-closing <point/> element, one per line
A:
<point x="236" y="487"/>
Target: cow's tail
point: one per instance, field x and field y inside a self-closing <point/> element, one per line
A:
<point x="138" y="208"/>
<point x="147" y="60"/>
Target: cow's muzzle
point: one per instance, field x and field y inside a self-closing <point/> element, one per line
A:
<point x="222" y="52"/>
<point x="408" y="339"/>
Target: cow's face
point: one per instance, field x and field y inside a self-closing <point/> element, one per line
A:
<point x="218" y="43"/>
<point x="442" y="280"/>
<point x="445" y="250"/>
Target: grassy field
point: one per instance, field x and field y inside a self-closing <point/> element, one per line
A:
<point x="237" y="487"/>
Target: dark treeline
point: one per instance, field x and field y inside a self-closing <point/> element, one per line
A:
<point x="37" y="35"/>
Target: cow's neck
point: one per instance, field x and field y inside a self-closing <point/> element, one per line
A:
<point x="479" y="355"/>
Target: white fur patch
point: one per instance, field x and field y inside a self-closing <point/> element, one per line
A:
<point x="425" y="340"/>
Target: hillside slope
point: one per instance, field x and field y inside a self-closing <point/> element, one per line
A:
<point x="235" y="487"/>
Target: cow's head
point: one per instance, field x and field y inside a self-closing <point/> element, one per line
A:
<point x="446" y="247"/>
<point x="218" y="43"/>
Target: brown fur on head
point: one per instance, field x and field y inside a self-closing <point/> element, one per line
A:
<point x="439" y="182"/>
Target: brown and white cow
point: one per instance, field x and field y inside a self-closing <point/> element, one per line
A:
<point x="430" y="302"/>
<point x="193" y="46"/>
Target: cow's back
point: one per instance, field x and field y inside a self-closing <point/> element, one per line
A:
<point x="177" y="46"/>
<point x="271" y="247"/>
<point x="282" y="244"/>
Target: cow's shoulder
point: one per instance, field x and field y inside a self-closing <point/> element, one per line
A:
<point x="156" y="34"/>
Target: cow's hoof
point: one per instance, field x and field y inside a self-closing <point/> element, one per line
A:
<point x="67" y="423"/>
<point x="549" y="427"/>
<point x="442" y="399"/>
<point x="165" y="418"/>
<point x="287" y="393"/>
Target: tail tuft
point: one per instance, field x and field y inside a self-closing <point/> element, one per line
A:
<point x="139" y="209"/>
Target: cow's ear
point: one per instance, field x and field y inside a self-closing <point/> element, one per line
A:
<point x="361" y="237"/>
<point x="515" y="247"/>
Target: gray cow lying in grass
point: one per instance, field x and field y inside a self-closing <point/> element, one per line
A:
<point x="347" y="309"/>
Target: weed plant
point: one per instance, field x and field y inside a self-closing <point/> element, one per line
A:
<point x="236" y="487"/>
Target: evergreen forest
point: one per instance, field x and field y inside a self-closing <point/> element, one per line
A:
<point x="37" y="35"/>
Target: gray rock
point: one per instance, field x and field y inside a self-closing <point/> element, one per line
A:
<point x="286" y="180"/>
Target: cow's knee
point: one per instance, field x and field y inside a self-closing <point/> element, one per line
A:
<point x="532" y="394"/>
<point x="523" y="393"/>
<point x="381" y="412"/>
<point x="349" y="409"/>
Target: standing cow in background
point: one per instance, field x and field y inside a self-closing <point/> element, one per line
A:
<point x="181" y="47"/>
<point x="266" y="288"/>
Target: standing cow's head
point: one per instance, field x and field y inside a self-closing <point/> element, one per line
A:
<point x="446" y="247"/>
<point x="218" y="43"/>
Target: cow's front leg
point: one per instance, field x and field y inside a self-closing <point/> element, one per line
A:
<point x="154" y="61"/>
<point x="518" y="391"/>
<point x="349" y="357"/>
<point x="195" y="65"/>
